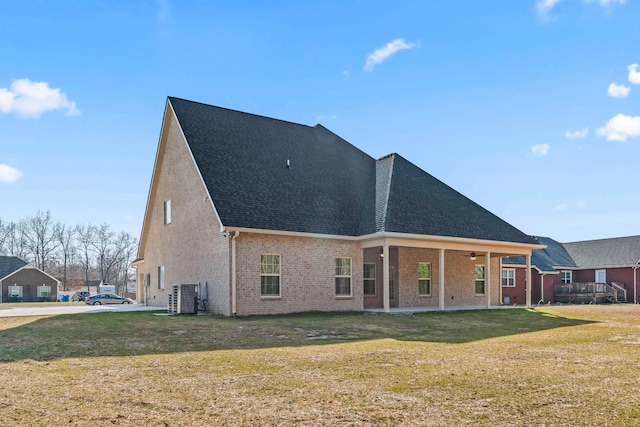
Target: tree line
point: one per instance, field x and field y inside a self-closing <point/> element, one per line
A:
<point x="74" y="254"/>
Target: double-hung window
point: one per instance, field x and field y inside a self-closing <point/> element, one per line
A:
<point x="369" y="275"/>
<point x="565" y="277"/>
<point x="343" y="277"/>
<point x="508" y="277"/>
<point x="479" y="272"/>
<point x="44" y="291"/>
<point x="424" y="278"/>
<point x="270" y="275"/>
<point x="15" y="291"/>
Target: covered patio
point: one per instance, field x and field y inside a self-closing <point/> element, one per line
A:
<point x="413" y="273"/>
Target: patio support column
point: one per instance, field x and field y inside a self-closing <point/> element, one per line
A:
<point x="487" y="278"/>
<point x="528" y="257"/>
<point x="385" y="277"/>
<point x="441" y="280"/>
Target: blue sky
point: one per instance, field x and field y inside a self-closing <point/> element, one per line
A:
<point x="530" y="108"/>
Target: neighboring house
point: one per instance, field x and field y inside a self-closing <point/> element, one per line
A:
<point x="22" y="282"/>
<point x="269" y="216"/>
<point x="615" y="260"/>
<point x="564" y="268"/>
<point x="552" y="266"/>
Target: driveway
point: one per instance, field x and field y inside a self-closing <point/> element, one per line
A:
<point x="73" y="309"/>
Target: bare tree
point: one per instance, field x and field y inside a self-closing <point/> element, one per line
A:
<point x="86" y="236"/>
<point x="128" y="247"/>
<point x="15" y="241"/>
<point x="4" y="234"/>
<point x="107" y="251"/>
<point x="41" y="237"/>
<point x="66" y="240"/>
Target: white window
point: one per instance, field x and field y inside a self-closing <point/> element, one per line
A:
<point x="161" y="277"/>
<point x="601" y="276"/>
<point x="15" y="291"/>
<point x="44" y="291"/>
<point x="565" y="277"/>
<point x="167" y="212"/>
<point x="424" y="278"/>
<point x="479" y="279"/>
<point x="270" y="275"/>
<point x="508" y="277"/>
<point x="369" y="276"/>
<point x="343" y="277"/>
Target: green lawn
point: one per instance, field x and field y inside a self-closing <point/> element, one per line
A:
<point x="569" y="365"/>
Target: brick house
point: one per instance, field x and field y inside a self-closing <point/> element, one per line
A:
<point x="23" y="282"/>
<point x="269" y="216"/>
<point x="561" y="267"/>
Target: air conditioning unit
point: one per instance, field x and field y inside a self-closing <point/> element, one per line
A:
<point x="182" y="299"/>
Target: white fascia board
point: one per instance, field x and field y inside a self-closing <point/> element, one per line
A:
<point x="446" y="242"/>
<point x="411" y="240"/>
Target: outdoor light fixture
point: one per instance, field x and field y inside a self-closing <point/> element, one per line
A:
<point x="472" y="256"/>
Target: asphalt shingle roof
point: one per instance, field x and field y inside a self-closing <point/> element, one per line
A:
<point x="264" y="173"/>
<point x="614" y="252"/>
<point x="10" y="264"/>
<point x="547" y="259"/>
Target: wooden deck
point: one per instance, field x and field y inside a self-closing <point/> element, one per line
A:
<point x="590" y="292"/>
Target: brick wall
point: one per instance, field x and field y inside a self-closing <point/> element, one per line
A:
<point x="307" y="280"/>
<point x="29" y="279"/>
<point x="191" y="248"/>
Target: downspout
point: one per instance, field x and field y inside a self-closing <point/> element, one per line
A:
<point x="542" y="286"/>
<point x="234" y="311"/>
<point x="635" y="279"/>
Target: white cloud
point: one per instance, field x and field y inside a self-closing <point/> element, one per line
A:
<point x="544" y="6"/>
<point x="31" y="99"/>
<point x="540" y="150"/>
<point x="382" y="53"/>
<point x="8" y="174"/>
<point x="606" y="3"/>
<point x="561" y="207"/>
<point x="620" y="127"/>
<point x="577" y="134"/>
<point x="326" y="118"/>
<point x="618" y="91"/>
<point x="634" y="76"/>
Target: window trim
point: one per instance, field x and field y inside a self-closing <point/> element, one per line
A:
<point x="366" y="279"/>
<point x="512" y="270"/>
<point x="279" y="276"/>
<point x="483" y="280"/>
<point x="344" y="276"/>
<point x="428" y="279"/>
<point x="167" y="212"/>
<point x="43" y="287"/>
<point x="17" y="287"/>
<point x="562" y="278"/>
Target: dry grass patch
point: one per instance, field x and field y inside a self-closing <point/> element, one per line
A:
<point x="575" y="365"/>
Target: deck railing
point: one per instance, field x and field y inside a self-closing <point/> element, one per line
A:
<point x="591" y="290"/>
